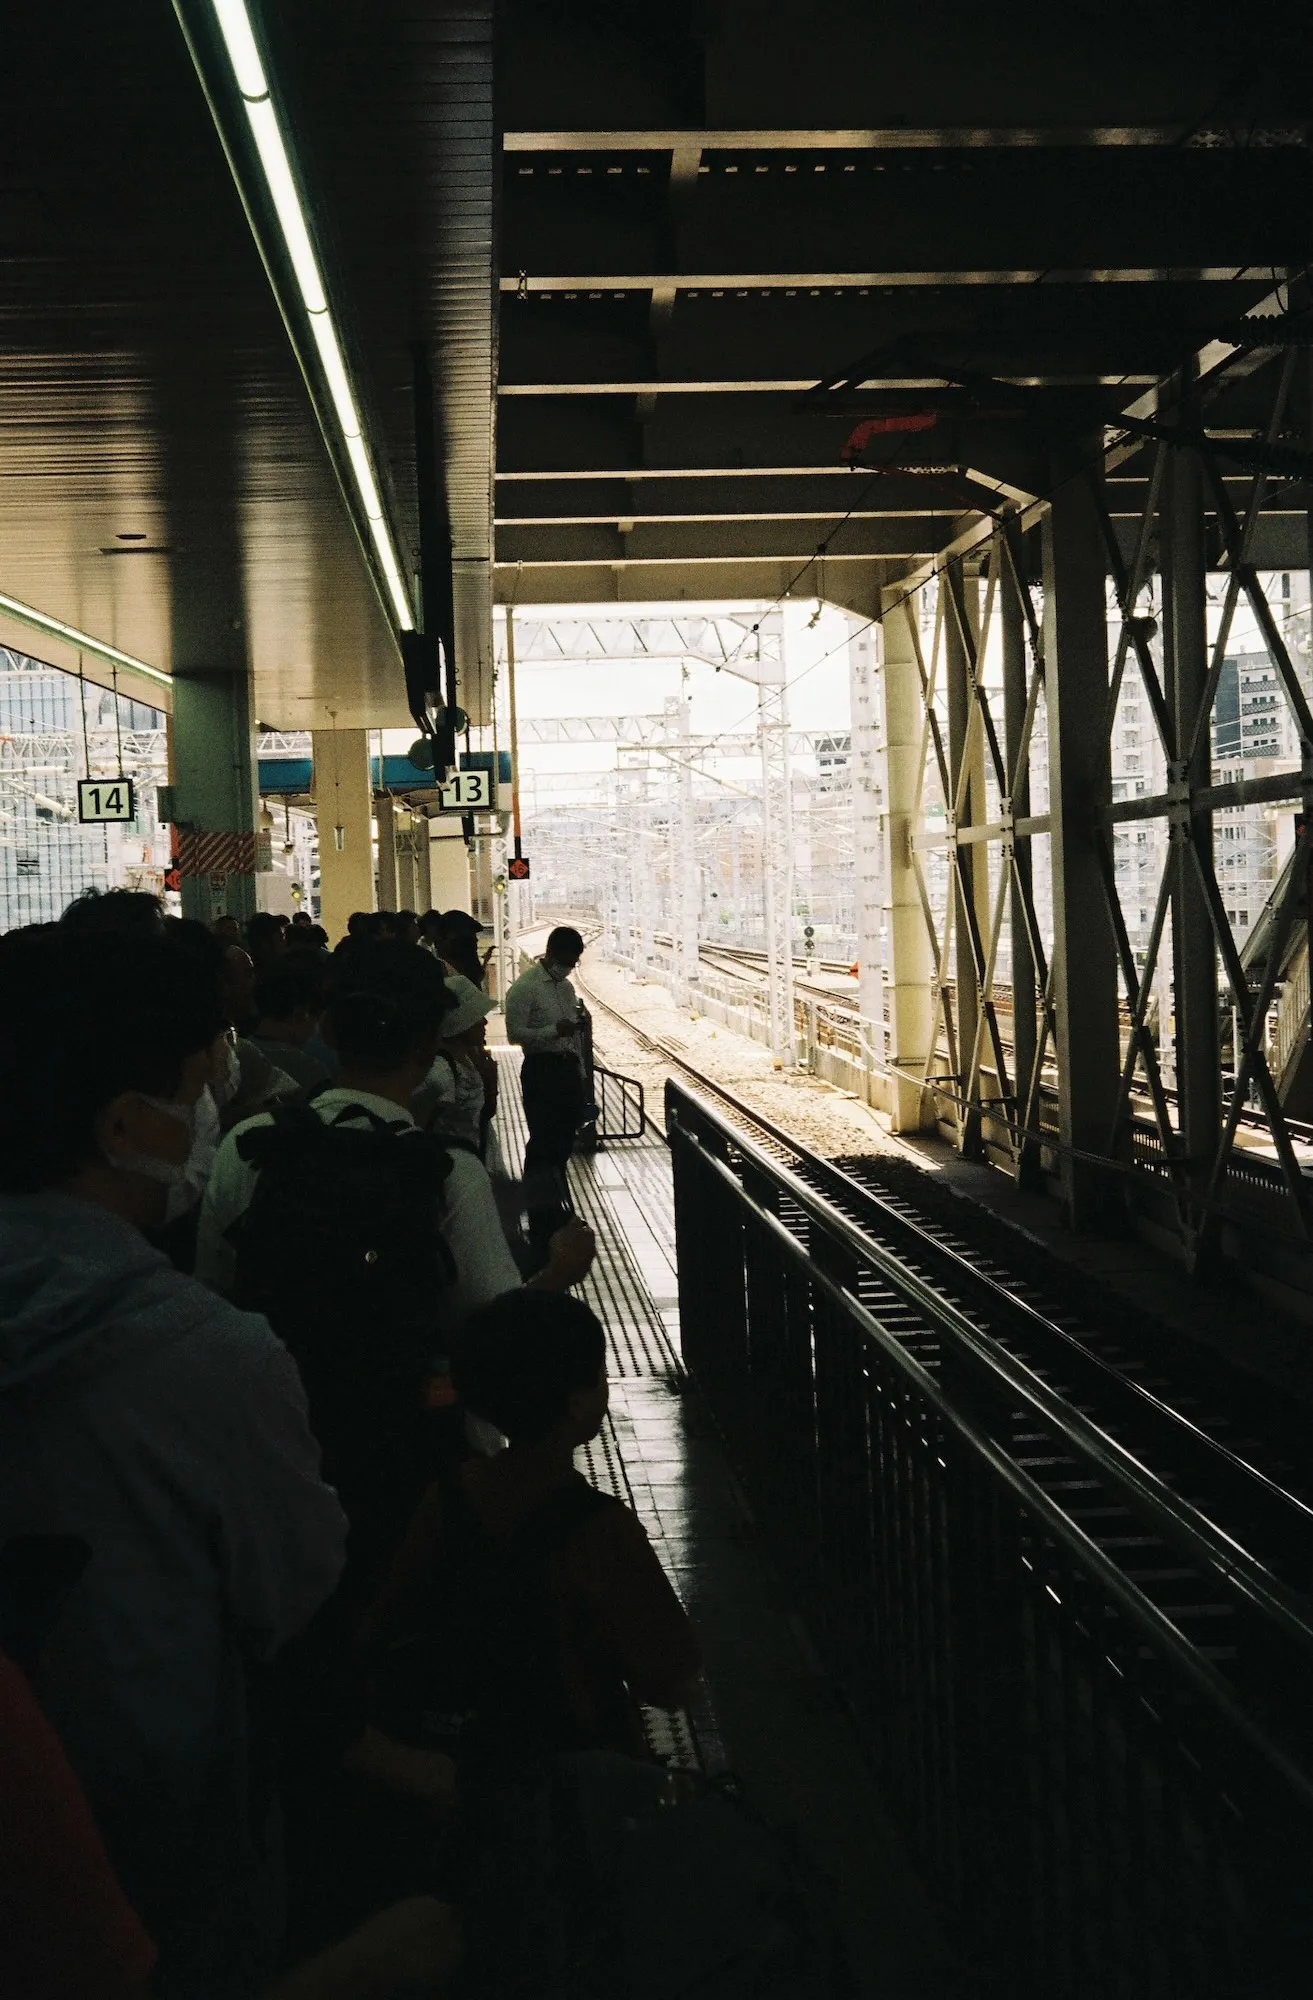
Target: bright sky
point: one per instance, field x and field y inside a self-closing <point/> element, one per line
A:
<point x="816" y="656"/>
<point x="816" y="653"/>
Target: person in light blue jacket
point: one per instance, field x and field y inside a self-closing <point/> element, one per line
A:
<point x="161" y="1428"/>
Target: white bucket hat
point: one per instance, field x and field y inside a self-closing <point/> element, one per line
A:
<point x="472" y="1005"/>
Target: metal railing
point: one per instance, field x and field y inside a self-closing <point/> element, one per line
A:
<point x="620" y="1101"/>
<point x="1089" y="1714"/>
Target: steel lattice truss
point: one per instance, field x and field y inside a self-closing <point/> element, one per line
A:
<point x="1016" y="1107"/>
<point x="635" y="731"/>
<point x="1188" y="806"/>
<point x="1187" y="1137"/>
<point x="729" y="640"/>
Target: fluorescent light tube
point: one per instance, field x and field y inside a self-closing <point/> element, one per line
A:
<point x="364" y="471"/>
<point x="248" y="70"/>
<point x="278" y="173"/>
<point x="387" y="556"/>
<point x="42" y="622"/>
<point x="235" y="27"/>
<point x="339" y="383"/>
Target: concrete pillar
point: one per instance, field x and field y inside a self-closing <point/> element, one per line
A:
<point x="1024" y="994"/>
<point x="969" y="887"/>
<point x="1194" y="951"/>
<point x="449" y="866"/>
<point x="346" y="847"/>
<point x="423" y="866"/>
<point x="481" y="890"/>
<point x="389" y="884"/>
<point x="896" y="973"/>
<point x="1080" y="785"/>
<point x="216" y="793"/>
<point x="407" y="867"/>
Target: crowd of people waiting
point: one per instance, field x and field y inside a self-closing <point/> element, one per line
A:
<point x="296" y="1569"/>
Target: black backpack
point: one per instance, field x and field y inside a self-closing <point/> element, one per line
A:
<point x="477" y="1670"/>
<point x="342" y="1252"/>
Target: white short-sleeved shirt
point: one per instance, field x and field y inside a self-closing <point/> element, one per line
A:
<point x="467" y="1215"/>
<point x="536" y="1005"/>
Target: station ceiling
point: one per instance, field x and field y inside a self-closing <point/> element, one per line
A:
<point x="662" y="261"/>
<point x="731" y="236"/>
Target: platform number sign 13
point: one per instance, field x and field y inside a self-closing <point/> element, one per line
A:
<point x="466" y="791"/>
<point x="101" y="800"/>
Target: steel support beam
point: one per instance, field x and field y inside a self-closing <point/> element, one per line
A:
<point x="970" y="890"/>
<point x="644" y="878"/>
<point x="1021" y="896"/>
<point x="777" y="838"/>
<point x="1084" y="947"/>
<point x="707" y="276"/>
<point x="1185" y="655"/>
<point x="683" y="851"/>
<point x="887" y="754"/>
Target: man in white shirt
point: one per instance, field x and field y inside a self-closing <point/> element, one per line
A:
<point x="543" y="1017"/>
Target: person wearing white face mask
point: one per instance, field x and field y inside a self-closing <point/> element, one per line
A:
<point x="152" y="1420"/>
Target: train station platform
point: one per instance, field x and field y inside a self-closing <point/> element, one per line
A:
<point x="768" y="1714"/>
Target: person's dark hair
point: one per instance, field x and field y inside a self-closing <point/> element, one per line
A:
<point x="301" y="920"/>
<point x="564" y="942"/>
<point x="115" y="912"/>
<point x="360" y="924"/>
<point x="307" y="937"/>
<point x="520" y="1359"/>
<point x="385" y="1000"/>
<point x="460" y="923"/>
<point x="207" y="952"/>
<point x="264" y="933"/>
<point x="284" y="984"/>
<point x="84" y="1017"/>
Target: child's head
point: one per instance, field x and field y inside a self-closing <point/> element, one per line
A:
<point x="465" y="1025"/>
<point x="534" y="1364"/>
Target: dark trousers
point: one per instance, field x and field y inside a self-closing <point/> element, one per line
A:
<point x="553" y="1090"/>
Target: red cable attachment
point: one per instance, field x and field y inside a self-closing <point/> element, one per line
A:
<point x="916" y="420"/>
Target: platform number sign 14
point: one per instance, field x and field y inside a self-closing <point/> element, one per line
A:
<point x="101" y="800"/>
<point x="466" y="791"/>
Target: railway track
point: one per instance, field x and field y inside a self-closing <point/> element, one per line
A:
<point x="1192" y="1428"/>
<point x="743" y="963"/>
<point x="750" y="967"/>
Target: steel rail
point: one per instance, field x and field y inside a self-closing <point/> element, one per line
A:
<point x="1175" y="1437"/>
<point x="1185" y="1656"/>
<point x="1087" y="1439"/>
